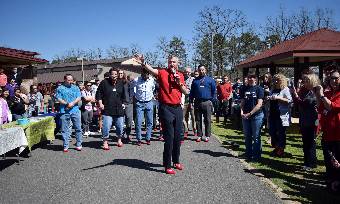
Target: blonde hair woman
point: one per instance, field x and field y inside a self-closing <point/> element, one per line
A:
<point x="306" y="100"/>
<point x="279" y="113"/>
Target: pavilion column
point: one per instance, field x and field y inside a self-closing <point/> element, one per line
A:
<point x="245" y="72"/>
<point x="272" y="69"/>
<point x="257" y="72"/>
<point x="305" y="63"/>
<point x="321" y="66"/>
<point x="297" y="70"/>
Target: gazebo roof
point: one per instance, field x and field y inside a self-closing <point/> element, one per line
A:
<point x="20" y="57"/>
<point x="320" y="45"/>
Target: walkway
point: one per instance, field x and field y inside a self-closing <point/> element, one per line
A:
<point x="130" y="174"/>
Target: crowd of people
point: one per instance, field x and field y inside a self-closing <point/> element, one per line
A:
<point x="271" y="102"/>
<point x="179" y="102"/>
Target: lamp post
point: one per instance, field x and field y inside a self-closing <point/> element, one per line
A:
<point x="212" y="54"/>
<point x="82" y="67"/>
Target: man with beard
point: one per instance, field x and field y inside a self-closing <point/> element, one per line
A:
<point x="171" y="87"/>
<point x="202" y="94"/>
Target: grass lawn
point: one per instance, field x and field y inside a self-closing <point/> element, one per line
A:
<point x="287" y="172"/>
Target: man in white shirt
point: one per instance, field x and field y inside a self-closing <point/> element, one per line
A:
<point x="144" y="87"/>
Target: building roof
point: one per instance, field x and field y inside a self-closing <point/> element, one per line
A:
<point x="319" y="45"/>
<point x="78" y="63"/>
<point x="15" y="56"/>
<point x="59" y="76"/>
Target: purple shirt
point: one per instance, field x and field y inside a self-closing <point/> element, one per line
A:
<point x="11" y="89"/>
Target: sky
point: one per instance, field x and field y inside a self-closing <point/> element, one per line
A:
<point x="53" y="27"/>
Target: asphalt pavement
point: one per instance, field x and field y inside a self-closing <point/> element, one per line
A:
<point x="129" y="174"/>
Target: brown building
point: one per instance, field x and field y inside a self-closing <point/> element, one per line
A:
<point x="92" y="69"/>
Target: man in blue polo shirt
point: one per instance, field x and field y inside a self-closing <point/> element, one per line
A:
<point x="68" y="95"/>
<point x="203" y="92"/>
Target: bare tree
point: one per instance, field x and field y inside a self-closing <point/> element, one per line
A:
<point x="153" y="58"/>
<point x="287" y="26"/>
<point x="281" y="25"/>
<point x="303" y="22"/>
<point x="324" y="18"/>
<point x="214" y="27"/>
<point x="217" y="20"/>
<point x="134" y="49"/>
<point x="176" y="46"/>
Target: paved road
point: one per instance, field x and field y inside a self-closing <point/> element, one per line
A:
<point x="130" y="174"/>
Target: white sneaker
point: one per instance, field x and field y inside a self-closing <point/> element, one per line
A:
<point x="79" y="148"/>
<point x="86" y="134"/>
<point x="307" y="168"/>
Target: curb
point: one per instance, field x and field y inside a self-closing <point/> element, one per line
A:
<point x="275" y="188"/>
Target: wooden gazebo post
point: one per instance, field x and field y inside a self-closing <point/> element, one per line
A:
<point x="272" y="69"/>
<point x="297" y="70"/>
<point x="245" y="72"/>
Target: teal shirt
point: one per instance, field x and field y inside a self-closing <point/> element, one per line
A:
<point x="68" y="94"/>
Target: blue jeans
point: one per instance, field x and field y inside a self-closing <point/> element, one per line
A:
<point x="252" y="129"/>
<point x="66" y="119"/>
<point x="140" y="109"/>
<point x="107" y="123"/>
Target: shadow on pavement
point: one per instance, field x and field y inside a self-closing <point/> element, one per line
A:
<point x="301" y="185"/>
<point x="213" y="154"/>
<point x="4" y="163"/>
<point x="93" y="144"/>
<point x="132" y="163"/>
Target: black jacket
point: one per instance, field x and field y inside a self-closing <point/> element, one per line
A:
<point x="128" y="91"/>
<point x="17" y="105"/>
<point x="112" y="97"/>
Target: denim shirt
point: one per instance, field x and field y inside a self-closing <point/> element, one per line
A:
<point x="68" y="94"/>
<point x="144" y="89"/>
<point x="284" y="107"/>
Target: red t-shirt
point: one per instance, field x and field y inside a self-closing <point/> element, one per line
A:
<point x="330" y="120"/>
<point x="169" y="90"/>
<point x="224" y="91"/>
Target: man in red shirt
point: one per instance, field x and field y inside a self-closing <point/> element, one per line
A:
<point x="171" y="87"/>
<point x="224" y="91"/>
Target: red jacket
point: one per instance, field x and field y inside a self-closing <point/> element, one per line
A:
<point x="330" y="120"/>
<point x="223" y="91"/>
